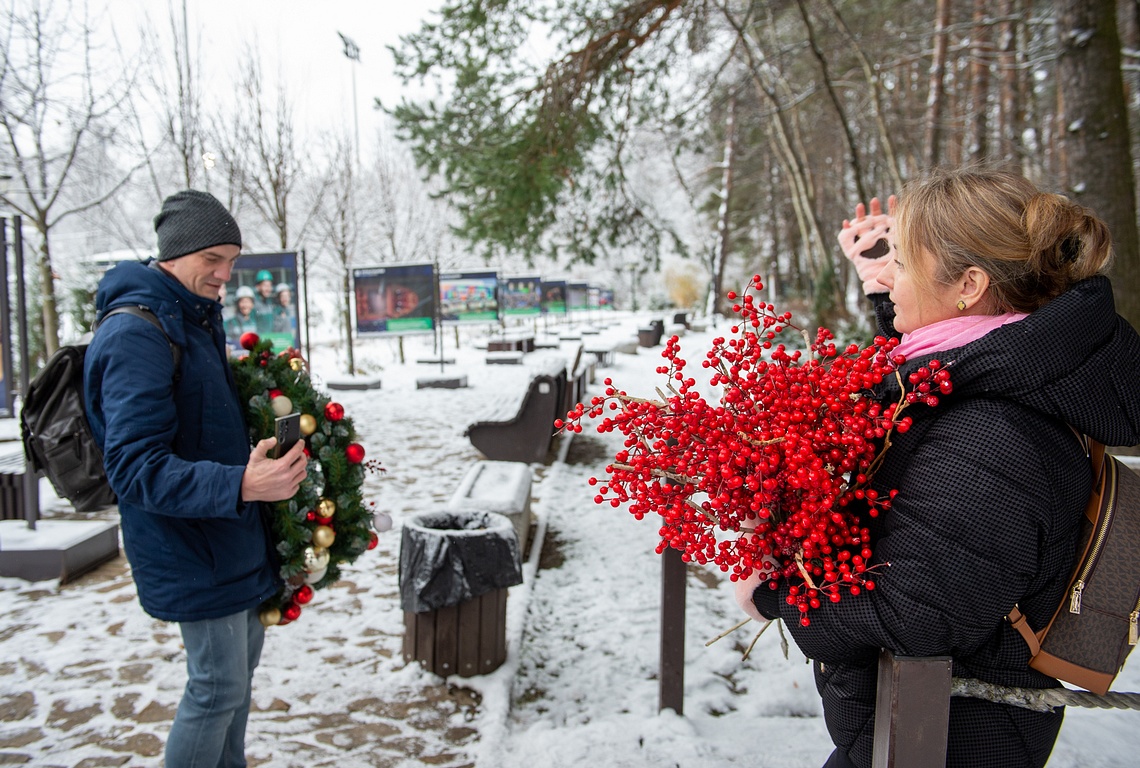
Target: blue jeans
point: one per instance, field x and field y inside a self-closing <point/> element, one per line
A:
<point x="209" y="728"/>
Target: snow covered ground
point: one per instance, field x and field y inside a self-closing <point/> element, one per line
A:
<point x="87" y="679"/>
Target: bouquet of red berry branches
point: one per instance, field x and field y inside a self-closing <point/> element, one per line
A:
<point x="775" y="475"/>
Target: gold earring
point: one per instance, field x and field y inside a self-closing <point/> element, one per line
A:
<point x="961" y="305"/>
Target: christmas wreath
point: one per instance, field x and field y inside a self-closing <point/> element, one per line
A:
<point x="775" y="476"/>
<point x="326" y="523"/>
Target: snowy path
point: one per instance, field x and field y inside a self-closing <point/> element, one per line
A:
<point x="87" y="679"/>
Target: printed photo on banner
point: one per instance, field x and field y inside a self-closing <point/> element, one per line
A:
<point x="399" y="299"/>
<point x="469" y="297"/>
<point x="262" y="296"/>
<point x="554" y="297"/>
<point x="605" y="298"/>
<point x="522" y="296"/>
<point x="576" y="297"/>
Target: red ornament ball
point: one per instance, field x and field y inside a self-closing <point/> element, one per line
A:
<point x="334" y="411"/>
<point x="303" y="595"/>
<point x="291" y="612"/>
<point x="274" y="393"/>
<point x="249" y="340"/>
<point x="354" y="452"/>
<point x="373" y="539"/>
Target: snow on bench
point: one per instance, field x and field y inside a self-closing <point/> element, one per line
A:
<point x="497" y="486"/>
<point x="504" y="358"/>
<point x="353" y="383"/>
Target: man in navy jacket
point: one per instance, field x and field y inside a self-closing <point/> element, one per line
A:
<point x="177" y="454"/>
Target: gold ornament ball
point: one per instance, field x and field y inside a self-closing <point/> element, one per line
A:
<point x="316" y="559"/>
<point x="323" y="536"/>
<point x="269" y="617"/>
<point x="281" y="405"/>
<point x="296" y="363"/>
<point x="308" y="423"/>
<point x="327" y="507"/>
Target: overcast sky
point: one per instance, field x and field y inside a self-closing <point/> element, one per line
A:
<point x="298" y="39"/>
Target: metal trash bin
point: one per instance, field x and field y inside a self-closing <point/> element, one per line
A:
<point x="455" y="568"/>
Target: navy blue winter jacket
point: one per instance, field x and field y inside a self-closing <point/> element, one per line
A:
<point x="175" y="451"/>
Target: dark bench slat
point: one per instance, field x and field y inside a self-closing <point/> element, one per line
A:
<point x="527" y="435"/>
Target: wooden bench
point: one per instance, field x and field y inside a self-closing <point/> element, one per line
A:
<point x="603" y="352"/>
<point x="442" y="381"/>
<point x="354" y="383"/>
<point x="578" y="374"/>
<point x="511" y="344"/>
<point x="627" y="346"/>
<point x="524" y="431"/>
<point x="504" y="358"/>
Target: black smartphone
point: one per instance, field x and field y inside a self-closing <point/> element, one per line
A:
<point x="288" y="431"/>
<point x="877" y="251"/>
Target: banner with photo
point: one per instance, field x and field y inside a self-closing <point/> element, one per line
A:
<point x="263" y="296"/>
<point x="605" y="298"/>
<point x="577" y="297"/>
<point x="469" y="297"/>
<point x="521" y="296"/>
<point x="397" y="299"/>
<point x="554" y="297"/>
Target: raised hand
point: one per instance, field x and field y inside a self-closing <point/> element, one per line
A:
<point x="866" y="239"/>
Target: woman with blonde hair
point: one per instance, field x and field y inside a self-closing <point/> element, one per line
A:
<point x="1004" y="286"/>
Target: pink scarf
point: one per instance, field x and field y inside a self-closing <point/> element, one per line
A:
<point x="952" y="333"/>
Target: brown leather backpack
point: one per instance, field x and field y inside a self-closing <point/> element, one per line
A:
<point x="1091" y="633"/>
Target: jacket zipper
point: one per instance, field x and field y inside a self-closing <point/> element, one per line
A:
<point x="1133" y="634"/>
<point x="1101" y="533"/>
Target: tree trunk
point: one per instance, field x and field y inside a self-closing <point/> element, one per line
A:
<point x="829" y="85"/>
<point x="1010" y="110"/>
<point x="935" y="106"/>
<point x="875" y="84"/>
<point x="977" y="144"/>
<point x="49" y="312"/>
<point x="724" y="220"/>
<point x="1095" y="141"/>
<point x="348" y="298"/>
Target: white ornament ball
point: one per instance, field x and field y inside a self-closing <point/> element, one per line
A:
<point x="281" y="405"/>
<point x="315" y="576"/>
<point x="382" y="522"/>
<point x="316" y="559"/>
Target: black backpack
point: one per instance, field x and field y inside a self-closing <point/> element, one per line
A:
<point x="53" y="420"/>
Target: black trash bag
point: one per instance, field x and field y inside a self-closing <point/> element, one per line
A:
<point x="449" y="557"/>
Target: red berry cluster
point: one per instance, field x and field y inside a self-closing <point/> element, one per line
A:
<point x="792" y="440"/>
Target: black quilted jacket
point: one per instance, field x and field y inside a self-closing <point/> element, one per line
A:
<point x="991" y="484"/>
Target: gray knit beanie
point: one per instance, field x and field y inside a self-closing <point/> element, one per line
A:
<point x="192" y="221"/>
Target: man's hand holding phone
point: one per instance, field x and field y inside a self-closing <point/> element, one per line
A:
<point x="288" y="432"/>
<point x="277" y="465"/>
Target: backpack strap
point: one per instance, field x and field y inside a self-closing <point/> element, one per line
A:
<point x="1017" y="619"/>
<point x="146" y="313"/>
<point x="1095" y="450"/>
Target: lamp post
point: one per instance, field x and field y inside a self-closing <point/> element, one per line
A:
<point x="352" y="51"/>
